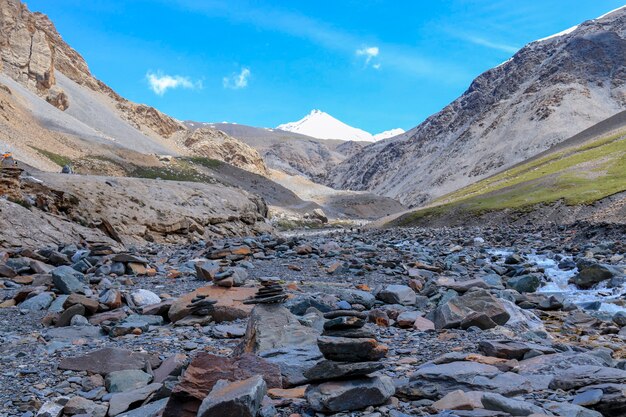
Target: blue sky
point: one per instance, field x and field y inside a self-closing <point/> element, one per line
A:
<point x="373" y="64"/>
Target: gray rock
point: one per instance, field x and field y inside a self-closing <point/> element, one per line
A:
<point x="143" y="297"/>
<point x="80" y="405"/>
<point x="67" y="280"/>
<point x="239" y="398"/>
<point x="591" y="273"/>
<point x="52" y="408"/>
<point x="524" y="283"/>
<point x="619" y="318"/>
<point x="353" y="394"/>
<point x="294" y="362"/>
<point x="326" y="370"/>
<point x="107" y="360"/>
<point x="38" y="303"/>
<point x="434" y="381"/>
<point x="585" y="375"/>
<point x="589" y="397"/>
<point x="122" y="401"/>
<point x="397" y="294"/>
<point x="570" y="410"/>
<point x="498" y="402"/>
<point x="228" y="331"/>
<point x="127" y="380"/>
<point x="149" y="410"/>
<point x="451" y="314"/>
<point x="57" y="304"/>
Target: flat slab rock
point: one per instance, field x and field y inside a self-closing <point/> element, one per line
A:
<point x="354" y="394"/>
<point x="107" y="360"/>
<point x="204" y="372"/>
<point x="239" y="398"/>
<point x="229" y="304"/>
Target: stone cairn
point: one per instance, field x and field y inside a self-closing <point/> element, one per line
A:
<point x="201" y="306"/>
<point x="349" y="349"/>
<point x="271" y="292"/>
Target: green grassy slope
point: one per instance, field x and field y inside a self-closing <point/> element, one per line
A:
<point x="579" y="174"/>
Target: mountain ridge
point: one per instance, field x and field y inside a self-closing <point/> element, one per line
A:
<point x="547" y="92"/>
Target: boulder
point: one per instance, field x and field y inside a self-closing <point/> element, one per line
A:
<point x="122" y="401"/>
<point x="584" y="375"/>
<point x="204" y="372"/>
<point x="397" y="294"/>
<point x="127" y="380"/>
<point x="38" y="302"/>
<point x="353" y="394"/>
<point x="239" y="398"/>
<point x="67" y="280"/>
<point x="143" y="297"/>
<point x="80" y="405"/>
<point x="451" y="313"/>
<point x="590" y="274"/>
<point x="524" y="283"/>
<point x="434" y="381"/>
<point x="278" y="336"/>
<point x="272" y="326"/>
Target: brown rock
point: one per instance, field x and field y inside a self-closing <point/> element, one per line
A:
<point x="138" y="268"/>
<point x="65" y="318"/>
<point x="90" y="304"/>
<point x="229" y="304"/>
<point x="114" y="315"/>
<point x="292" y="393"/>
<point x="422" y="324"/>
<point x="170" y="366"/>
<point x="206" y="369"/>
<point x="23" y="280"/>
<point x="8" y="303"/>
<point x="459" y="400"/>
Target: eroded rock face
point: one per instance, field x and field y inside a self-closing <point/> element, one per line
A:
<point x="216" y="144"/>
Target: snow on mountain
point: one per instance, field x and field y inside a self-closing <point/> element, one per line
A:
<point x="573" y="28"/>
<point x="388" y="134"/>
<point x="321" y="125"/>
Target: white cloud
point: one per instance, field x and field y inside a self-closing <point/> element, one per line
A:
<point x="511" y="49"/>
<point x="160" y="83"/>
<point x="237" y="81"/>
<point x="369" y="53"/>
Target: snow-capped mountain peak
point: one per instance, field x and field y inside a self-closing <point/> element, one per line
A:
<point x="321" y="125"/>
<point x="388" y="134"/>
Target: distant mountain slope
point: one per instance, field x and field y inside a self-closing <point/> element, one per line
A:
<point x="550" y="90"/>
<point x="578" y="172"/>
<point x="291" y="153"/>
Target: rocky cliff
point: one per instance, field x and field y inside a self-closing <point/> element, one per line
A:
<point x="548" y="91"/>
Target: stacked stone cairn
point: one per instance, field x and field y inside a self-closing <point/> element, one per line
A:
<point x="271" y="292"/>
<point x="351" y="352"/>
<point x="201" y="305"/>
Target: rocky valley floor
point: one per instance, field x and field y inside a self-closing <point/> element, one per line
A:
<point x="404" y="322"/>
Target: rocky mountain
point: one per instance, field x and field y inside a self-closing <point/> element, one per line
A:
<point x="321" y="125"/>
<point x="47" y="83"/>
<point x="548" y="91"/>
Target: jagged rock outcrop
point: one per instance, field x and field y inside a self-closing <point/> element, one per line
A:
<point x="550" y="90"/>
<point x="218" y="145"/>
